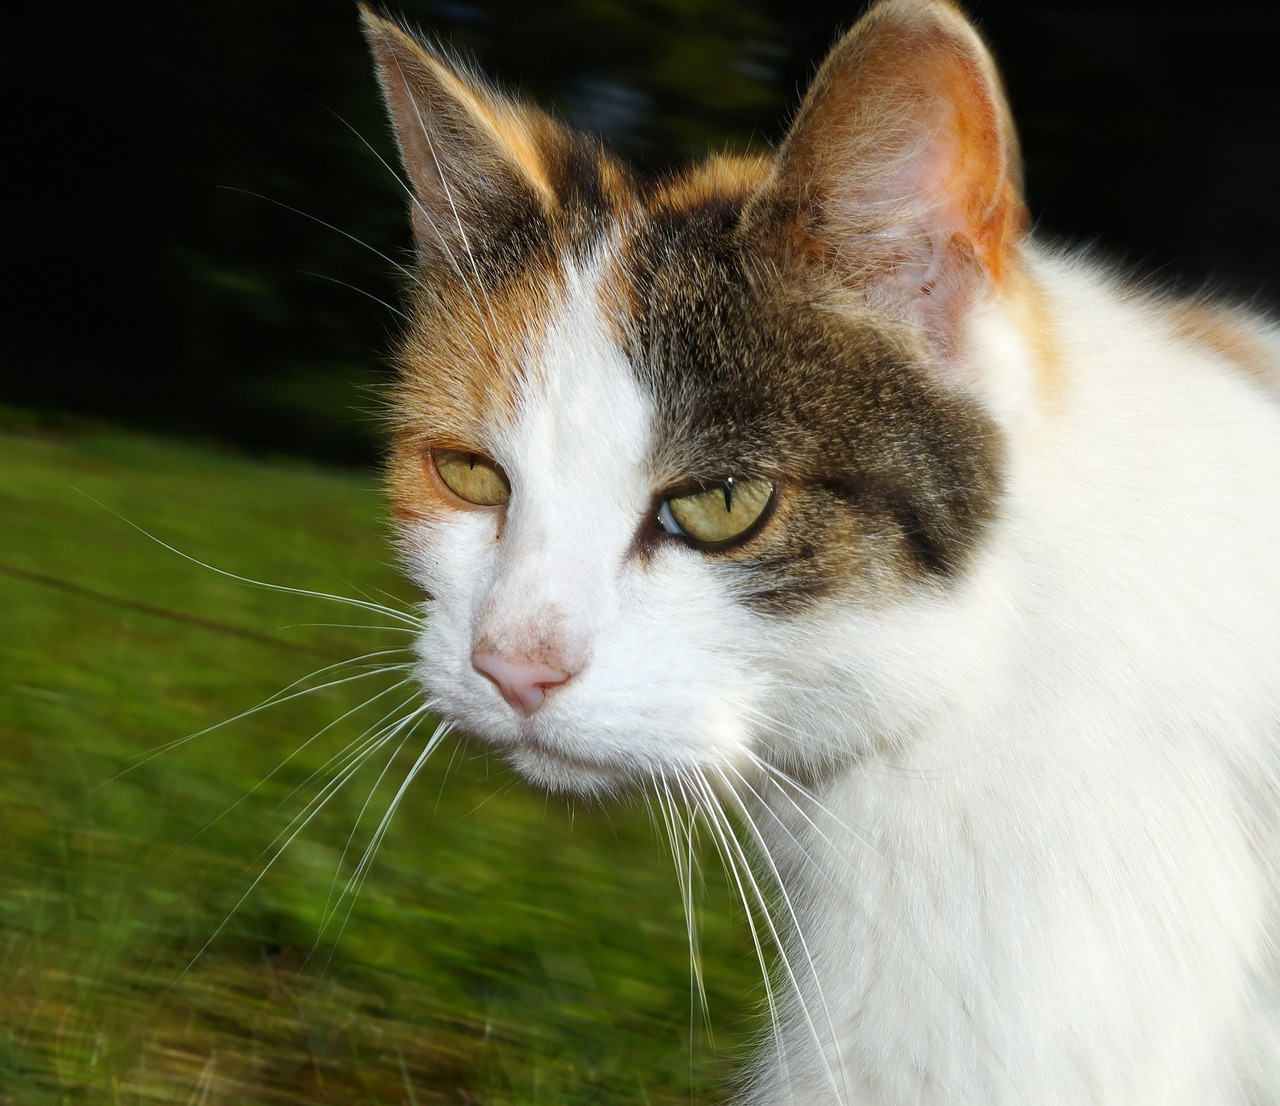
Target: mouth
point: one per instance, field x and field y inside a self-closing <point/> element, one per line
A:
<point x="556" y="771"/>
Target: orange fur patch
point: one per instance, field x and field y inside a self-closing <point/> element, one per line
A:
<point x="723" y="177"/>
<point x="460" y="375"/>
<point x="510" y="129"/>
<point x="1230" y="337"/>
<point x="1030" y="309"/>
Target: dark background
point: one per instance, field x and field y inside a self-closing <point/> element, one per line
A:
<point x="172" y="169"/>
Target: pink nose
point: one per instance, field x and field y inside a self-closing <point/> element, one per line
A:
<point x="524" y="684"/>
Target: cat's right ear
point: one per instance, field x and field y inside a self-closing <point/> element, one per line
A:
<point x="476" y="162"/>
<point x="901" y="171"/>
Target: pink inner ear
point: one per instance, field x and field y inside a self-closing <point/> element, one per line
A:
<point x="948" y="147"/>
<point x="965" y="176"/>
<point x="906" y="143"/>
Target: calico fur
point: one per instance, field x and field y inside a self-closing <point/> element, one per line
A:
<point x="991" y="689"/>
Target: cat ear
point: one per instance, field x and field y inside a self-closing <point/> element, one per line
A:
<point x="477" y="162"/>
<point x="901" y="170"/>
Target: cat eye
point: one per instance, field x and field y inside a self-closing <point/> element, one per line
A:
<point x="718" y="516"/>
<point x="472" y="477"/>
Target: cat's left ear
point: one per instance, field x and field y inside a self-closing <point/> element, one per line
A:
<point x="485" y="170"/>
<point x="901" y="170"/>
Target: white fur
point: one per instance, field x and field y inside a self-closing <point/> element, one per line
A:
<point x="1034" y="859"/>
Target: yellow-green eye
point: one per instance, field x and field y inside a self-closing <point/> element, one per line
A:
<point x="719" y="515"/>
<point x="472" y="476"/>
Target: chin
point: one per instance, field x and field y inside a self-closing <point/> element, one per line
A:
<point x="564" y="775"/>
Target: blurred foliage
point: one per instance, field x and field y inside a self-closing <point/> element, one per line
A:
<point x="505" y="949"/>
<point x="204" y="226"/>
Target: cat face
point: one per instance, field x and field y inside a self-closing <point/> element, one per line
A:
<point x="559" y="581"/>
<point x="673" y="456"/>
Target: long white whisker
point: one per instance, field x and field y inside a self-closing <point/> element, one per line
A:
<point x="401" y="269"/>
<point x="399" y="726"/>
<point x="358" y="707"/>
<point x="297" y="825"/>
<point x="344" y="755"/>
<point x="915" y="877"/>
<point x="349" y="765"/>
<point x="364" y="604"/>
<point x="356" y="882"/>
<point x="784" y="783"/>
<point x="275" y="699"/>
<point x="704" y="801"/>
<point x="797" y="929"/>
<point x="358" y="626"/>
<point x="361" y="291"/>
<point x="684" y="866"/>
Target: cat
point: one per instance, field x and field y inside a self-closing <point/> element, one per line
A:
<point x="809" y="492"/>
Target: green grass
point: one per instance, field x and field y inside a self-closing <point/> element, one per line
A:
<point x="504" y="949"/>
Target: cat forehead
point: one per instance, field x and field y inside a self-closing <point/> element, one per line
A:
<point x="735" y="348"/>
<point x="750" y="359"/>
<point x="686" y="344"/>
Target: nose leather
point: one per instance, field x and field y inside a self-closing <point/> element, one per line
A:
<point x="523" y="683"/>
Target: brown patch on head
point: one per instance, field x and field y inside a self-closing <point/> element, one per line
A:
<point x="760" y="365"/>
<point x="714" y="184"/>
<point x="800" y="323"/>
<point x="1231" y="335"/>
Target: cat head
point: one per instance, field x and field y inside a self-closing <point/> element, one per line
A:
<point x="698" y="472"/>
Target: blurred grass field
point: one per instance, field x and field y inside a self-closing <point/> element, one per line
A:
<point x="505" y="948"/>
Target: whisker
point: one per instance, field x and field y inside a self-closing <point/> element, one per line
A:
<point x="253" y="790"/>
<point x="401" y="269"/>
<point x="917" y="877"/>
<point x="798" y="930"/>
<point x="394" y="728"/>
<point x="337" y="721"/>
<point x="684" y="864"/>
<point x="351" y="761"/>
<point x="298" y="824"/>
<point x="357" y="626"/>
<point x="363" y="604"/>
<point x="704" y="802"/>
<point x="275" y="699"/>
<point x="356" y="882"/>
<point x="361" y="291"/>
